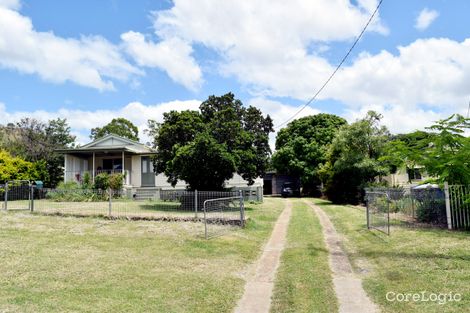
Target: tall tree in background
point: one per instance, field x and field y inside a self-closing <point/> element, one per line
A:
<point x="118" y="126"/>
<point x="221" y="139"/>
<point x="35" y="141"/>
<point x="353" y="159"/>
<point x="302" y="147"/>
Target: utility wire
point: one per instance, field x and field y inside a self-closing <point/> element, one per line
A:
<point x="334" y="72"/>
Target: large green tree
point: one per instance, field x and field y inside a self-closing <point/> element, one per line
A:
<point x="353" y="159"/>
<point x="302" y="147"/>
<point x="206" y="147"/>
<point x="118" y="126"/>
<point x="36" y="141"/>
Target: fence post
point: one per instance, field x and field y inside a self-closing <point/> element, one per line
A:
<point x="195" y="203"/>
<point x="110" y="201"/>
<point x="6" y="195"/>
<point x="242" y="210"/>
<point x="32" y="197"/>
<point x="448" y="210"/>
<point x="205" y="219"/>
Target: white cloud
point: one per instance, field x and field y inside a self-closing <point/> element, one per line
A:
<point x="172" y="55"/>
<point x="82" y="121"/>
<point x="90" y="61"/>
<point x="266" y="43"/>
<point x="425" y="18"/>
<point x="10" y="4"/>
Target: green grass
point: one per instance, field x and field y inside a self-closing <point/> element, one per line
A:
<point x="67" y="264"/>
<point x="304" y="281"/>
<point x="411" y="260"/>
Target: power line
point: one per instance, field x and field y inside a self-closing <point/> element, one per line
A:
<point x="334" y="72"/>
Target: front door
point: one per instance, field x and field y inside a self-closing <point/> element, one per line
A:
<point x="148" y="176"/>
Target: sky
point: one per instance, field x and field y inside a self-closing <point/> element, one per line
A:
<point x="90" y="61"/>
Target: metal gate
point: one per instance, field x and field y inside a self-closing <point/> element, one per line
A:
<point x="18" y="195"/>
<point x="378" y="211"/>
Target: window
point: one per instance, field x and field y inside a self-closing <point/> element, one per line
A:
<point x="414" y="174"/>
<point x="112" y="164"/>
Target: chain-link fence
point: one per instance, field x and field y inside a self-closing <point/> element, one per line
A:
<point x="16" y="195"/>
<point x="224" y="211"/>
<point x="414" y="206"/>
<point x="378" y="211"/>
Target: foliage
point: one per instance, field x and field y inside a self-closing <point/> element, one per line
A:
<point x="101" y="181"/>
<point x="35" y="141"/>
<point x="118" y="126"/>
<point x="201" y="156"/>
<point x="70" y="185"/>
<point x="353" y="159"/>
<point x="86" y="181"/>
<point x="302" y="146"/>
<point x="237" y="136"/>
<point x="444" y="151"/>
<point x="15" y="168"/>
<point x="116" y="181"/>
<point x="70" y="194"/>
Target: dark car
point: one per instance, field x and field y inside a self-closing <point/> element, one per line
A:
<point x="289" y="189"/>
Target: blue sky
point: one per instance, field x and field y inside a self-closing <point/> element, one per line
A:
<point x="90" y="61"/>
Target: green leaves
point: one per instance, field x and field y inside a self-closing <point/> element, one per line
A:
<point x="302" y="146"/>
<point x="205" y="148"/>
<point x="118" y="126"/>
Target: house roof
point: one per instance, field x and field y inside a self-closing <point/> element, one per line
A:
<point x="111" y="142"/>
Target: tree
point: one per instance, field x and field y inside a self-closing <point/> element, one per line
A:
<point x="444" y="151"/>
<point x="236" y="136"/>
<point x="353" y="159"/>
<point x="15" y="168"/>
<point x="302" y="147"/>
<point x="36" y="141"/>
<point x="118" y="126"/>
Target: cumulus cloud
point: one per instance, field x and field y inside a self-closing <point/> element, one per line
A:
<point x="82" y="121"/>
<point x="265" y="44"/>
<point x="89" y="61"/>
<point x="171" y="55"/>
<point x="425" y="19"/>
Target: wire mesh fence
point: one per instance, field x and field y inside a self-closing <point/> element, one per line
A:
<point x="378" y="211"/>
<point x="16" y="195"/>
<point x="414" y="206"/>
<point x="226" y="209"/>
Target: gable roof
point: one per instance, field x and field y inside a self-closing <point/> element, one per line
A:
<point x="112" y="142"/>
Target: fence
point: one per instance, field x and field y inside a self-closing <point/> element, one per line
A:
<point x="378" y="211"/>
<point x="457" y="206"/>
<point x="223" y="214"/>
<point x="448" y="207"/>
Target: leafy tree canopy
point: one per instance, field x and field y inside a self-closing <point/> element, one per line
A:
<point x="35" y="141"/>
<point x="444" y="151"/>
<point x="205" y="148"/>
<point x="353" y="159"/>
<point x="118" y="126"/>
<point x="302" y="146"/>
<point x="15" y="168"/>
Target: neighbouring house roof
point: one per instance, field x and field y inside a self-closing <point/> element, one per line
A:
<point x="111" y="143"/>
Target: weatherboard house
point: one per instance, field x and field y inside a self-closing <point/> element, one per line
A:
<point x="115" y="154"/>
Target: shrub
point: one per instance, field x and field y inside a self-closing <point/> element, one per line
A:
<point x="86" y="181"/>
<point x="116" y="181"/>
<point x="101" y="181"/>
<point x="68" y="186"/>
<point x="430" y="206"/>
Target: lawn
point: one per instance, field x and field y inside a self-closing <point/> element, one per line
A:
<point x="411" y="260"/>
<point x="68" y="264"/>
<point x="303" y="283"/>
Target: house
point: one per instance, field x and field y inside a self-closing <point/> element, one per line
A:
<point x="115" y="154"/>
<point x="407" y="177"/>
